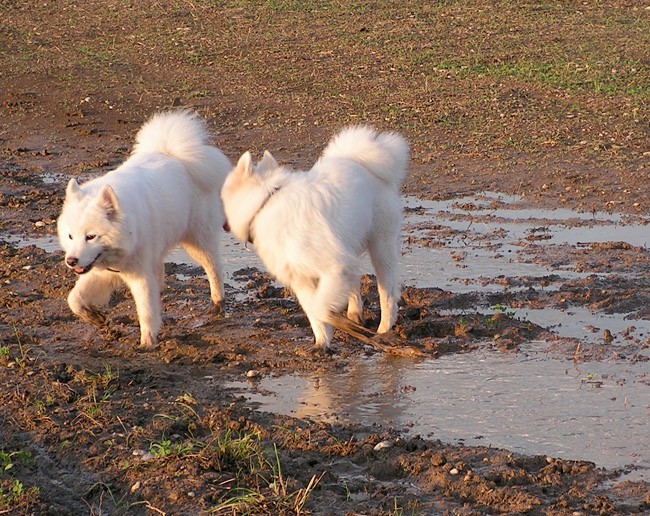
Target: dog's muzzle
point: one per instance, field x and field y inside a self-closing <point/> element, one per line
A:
<point x="72" y="262"/>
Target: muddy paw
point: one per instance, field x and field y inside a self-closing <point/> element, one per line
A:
<point x="147" y="342"/>
<point x="94" y="316"/>
<point x="318" y="350"/>
<point x="218" y="309"/>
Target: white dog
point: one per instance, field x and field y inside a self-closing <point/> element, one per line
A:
<point x="311" y="228"/>
<point x="119" y="227"/>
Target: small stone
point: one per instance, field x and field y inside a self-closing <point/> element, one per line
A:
<point x="607" y="336"/>
<point x="135" y="486"/>
<point x="39" y="224"/>
<point x="143" y="454"/>
<point x="382" y="445"/>
<point x="453" y="471"/>
<point x="253" y="373"/>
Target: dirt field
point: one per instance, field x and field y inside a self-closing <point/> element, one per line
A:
<point x="549" y="102"/>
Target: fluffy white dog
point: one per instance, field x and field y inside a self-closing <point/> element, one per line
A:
<point x="119" y="227"/>
<point x="311" y="228"/>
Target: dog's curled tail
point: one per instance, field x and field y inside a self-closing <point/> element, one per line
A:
<point x="385" y="155"/>
<point x="182" y="135"/>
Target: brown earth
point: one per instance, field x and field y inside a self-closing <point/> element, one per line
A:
<point x="547" y="102"/>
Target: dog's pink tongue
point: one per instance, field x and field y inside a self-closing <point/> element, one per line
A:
<point x="79" y="270"/>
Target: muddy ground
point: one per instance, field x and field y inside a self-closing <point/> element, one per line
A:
<point x="90" y="425"/>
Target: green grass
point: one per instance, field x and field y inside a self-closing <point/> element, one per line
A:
<point x="165" y="447"/>
<point x="257" y="483"/>
<point x="272" y="496"/>
<point x="608" y="78"/>
<point x="15" y="497"/>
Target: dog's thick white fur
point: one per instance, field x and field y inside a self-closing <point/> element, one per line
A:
<point x="311" y="228"/>
<point x="119" y="227"/>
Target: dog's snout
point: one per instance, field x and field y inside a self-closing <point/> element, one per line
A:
<point x="71" y="261"/>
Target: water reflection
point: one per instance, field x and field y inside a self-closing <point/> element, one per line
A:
<point x="530" y="402"/>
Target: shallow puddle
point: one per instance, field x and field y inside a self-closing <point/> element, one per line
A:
<point x="534" y="401"/>
<point x="489" y="237"/>
<point x="530" y="403"/>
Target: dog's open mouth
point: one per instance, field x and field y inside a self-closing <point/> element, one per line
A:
<point x="83" y="270"/>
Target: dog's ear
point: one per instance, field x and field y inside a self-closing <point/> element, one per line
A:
<point x="268" y="162"/>
<point x="73" y="190"/>
<point x="245" y="164"/>
<point x="108" y="202"/>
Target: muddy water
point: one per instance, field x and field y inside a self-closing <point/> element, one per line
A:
<point x="534" y="401"/>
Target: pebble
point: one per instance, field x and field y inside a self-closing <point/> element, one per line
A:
<point x="253" y="373"/>
<point x="135" y="486"/>
<point x="453" y="471"/>
<point x="39" y="224"/>
<point x="143" y="454"/>
<point x="382" y="445"/>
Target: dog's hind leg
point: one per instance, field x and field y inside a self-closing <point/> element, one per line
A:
<point x="384" y="255"/>
<point x="207" y="255"/>
<point x="355" y="306"/>
<point x="323" y="332"/>
<point x="330" y="295"/>
<point x="91" y="291"/>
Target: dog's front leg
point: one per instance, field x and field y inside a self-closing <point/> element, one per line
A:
<point x="146" y="294"/>
<point x="91" y="290"/>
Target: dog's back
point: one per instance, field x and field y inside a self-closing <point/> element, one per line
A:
<point x="385" y="155"/>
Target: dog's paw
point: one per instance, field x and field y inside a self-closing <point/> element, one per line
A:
<point x="92" y="315"/>
<point x="318" y="350"/>
<point x="218" y="309"/>
<point x="147" y="342"/>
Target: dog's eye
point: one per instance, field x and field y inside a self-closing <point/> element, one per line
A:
<point x="70" y="236"/>
<point x="90" y="237"/>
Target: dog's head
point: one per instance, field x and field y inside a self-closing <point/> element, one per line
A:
<point x="245" y="190"/>
<point x="87" y="227"/>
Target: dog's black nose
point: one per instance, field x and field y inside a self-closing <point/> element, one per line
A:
<point x="71" y="261"/>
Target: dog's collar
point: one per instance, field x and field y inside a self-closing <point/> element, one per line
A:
<point x="250" y="224"/>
